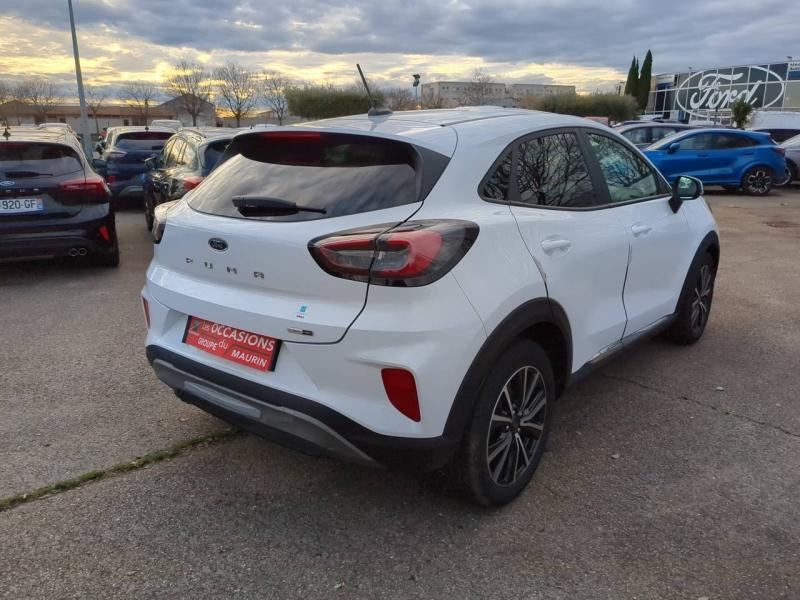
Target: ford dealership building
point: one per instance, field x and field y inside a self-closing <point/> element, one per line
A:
<point x="706" y="95"/>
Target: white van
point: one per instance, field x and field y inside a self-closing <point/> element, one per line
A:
<point x="781" y="125"/>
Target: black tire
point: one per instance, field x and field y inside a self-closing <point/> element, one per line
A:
<point x="793" y="174"/>
<point x="694" y="306"/>
<point x="758" y="181"/>
<point x="506" y="435"/>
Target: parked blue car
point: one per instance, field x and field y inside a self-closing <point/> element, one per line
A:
<point x="732" y="158"/>
<point x="122" y="156"/>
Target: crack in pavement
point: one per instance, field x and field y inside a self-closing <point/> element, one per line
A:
<point x="150" y="458"/>
<point x="703" y="404"/>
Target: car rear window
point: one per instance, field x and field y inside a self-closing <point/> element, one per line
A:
<point x="142" y="140"/>
<point x="31" y="159"/>
<point x="343" y="174"/>
<point x="213" y="153"/>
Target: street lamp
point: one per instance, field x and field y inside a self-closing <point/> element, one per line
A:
<point x="87" y="139"/>
<point x="416" y="89"/>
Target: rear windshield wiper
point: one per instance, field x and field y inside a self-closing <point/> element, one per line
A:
<point x="263" y="206"/>
<point x="24" y="174"/>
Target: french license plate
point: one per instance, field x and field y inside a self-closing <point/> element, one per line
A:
<point x="21" y="205"/>
<point x="236" y="345"/>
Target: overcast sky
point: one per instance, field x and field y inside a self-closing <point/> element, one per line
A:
<point x="588" y="44"/>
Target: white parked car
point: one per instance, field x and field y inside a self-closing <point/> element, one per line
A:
<point x="418" y="289"/>
<point x="173" y="124"/>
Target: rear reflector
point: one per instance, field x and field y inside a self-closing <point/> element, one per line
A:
<point x="402" y="392"/>
<point x="146" y="309"/>
<point x="104" y="233"/>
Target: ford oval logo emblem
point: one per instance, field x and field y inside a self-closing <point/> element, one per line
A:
<point x="218" y="244"/>
<point x="6" y="183"/>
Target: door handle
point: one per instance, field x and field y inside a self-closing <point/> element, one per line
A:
<point x="556" y="245"/>
<point x="640" y="229"/>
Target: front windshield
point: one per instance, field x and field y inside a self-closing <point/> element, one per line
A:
<point x="667" y="140"/>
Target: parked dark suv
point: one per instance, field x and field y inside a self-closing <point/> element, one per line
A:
<point x="186" y="159"/>
<point x="51" y="201"/>
<point x="645" y="133"/>
<point x="122" y="156"/>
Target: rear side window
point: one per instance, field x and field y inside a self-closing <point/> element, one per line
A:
<point x="142" y="140"/>
<point x="551" y="171"/>
<point x="189" y="155"/>
<point x="660" y="133"/>
<point x="701" y="141"/>
<point x="213" y="153"/>
<point x="637" y="135"/>
<point x="496" y="186"/>
<point x="342" y="174"/>
<point x="727" y="141"/>
<point x="19" y="160"/>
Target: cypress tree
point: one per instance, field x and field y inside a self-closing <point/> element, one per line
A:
<point x="643" y="89"/>
<point x="631" y="85"/>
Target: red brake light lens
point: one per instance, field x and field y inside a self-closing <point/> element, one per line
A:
<point x="191" y="182"/>
<point x="401" y="390"/>
<point x="88" y="189"/>
<point x="410" y="254"/>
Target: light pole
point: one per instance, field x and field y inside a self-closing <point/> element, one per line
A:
<point x="87" y="137"/>
<point x="416" y="89"/>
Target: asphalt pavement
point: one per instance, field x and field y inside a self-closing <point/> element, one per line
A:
<point x="672" y="473"/>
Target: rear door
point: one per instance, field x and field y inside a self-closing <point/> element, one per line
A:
<point x="732" y="152"/>
<point x="32" y="179"/>
<point x="265" y="279"/>
<point x="694" y="156"/>
<point x="582" y="251"/>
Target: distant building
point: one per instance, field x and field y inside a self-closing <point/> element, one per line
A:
<point x="449" y="94"/>
<point x="207" y="116"/>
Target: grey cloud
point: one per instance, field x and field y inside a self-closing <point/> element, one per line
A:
<point x="680" y="33"/>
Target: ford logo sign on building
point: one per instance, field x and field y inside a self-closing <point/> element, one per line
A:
<point x="707" y="94"/>
<point x="218" y="244"/>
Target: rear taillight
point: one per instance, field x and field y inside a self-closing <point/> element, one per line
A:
<point x="79" y="191"/>
<point x="111" y="178"/>
<point x="160" y="220"/>
<point x="191" y="182"/>
<point x="408" y="255"/>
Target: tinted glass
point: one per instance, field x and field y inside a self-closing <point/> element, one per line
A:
<point x="19" y="160"/>
<point x="551" y="171"/>
<point x="627" y="176"/>
<point x="213" y="152"/>
<point x="726" y="141"/>
<point x="701" y="141"/>
<point x="660" y="133"/>
<point x="637" y="135"/>
<point x="174" y="152"/>
<point x="343" y="174"/>
<point x="496" y="186"/>
<point x="142" y="140"/>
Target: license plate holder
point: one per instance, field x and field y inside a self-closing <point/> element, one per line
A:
<point x="252" y="350"/>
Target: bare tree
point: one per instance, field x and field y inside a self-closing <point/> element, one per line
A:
<point x="399" y="98"/>
<point x="273" y="86"/>
<point x="140" y="95"/>
<point x="6" y="94"/>
<point x="94" y="101"/>
<point x="237" y="89"/>
<point x="40" y="94"/>
<point x="478" y="92"/>
<point x="191" y="84"/>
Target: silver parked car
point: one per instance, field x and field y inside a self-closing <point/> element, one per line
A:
<point x="792" y="148"/>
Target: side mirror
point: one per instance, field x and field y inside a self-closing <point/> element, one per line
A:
<point x="673" y="148"/>
<point x="151" y="162"/>
<point x="684" y="188"/>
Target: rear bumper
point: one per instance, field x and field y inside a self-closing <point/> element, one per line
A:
<point x="59" y="238"/>
<point x="292" y="420"/>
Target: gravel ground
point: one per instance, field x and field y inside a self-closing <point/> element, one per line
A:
<point x="672" y="473"/>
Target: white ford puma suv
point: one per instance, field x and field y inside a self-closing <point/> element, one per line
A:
<point x="417" y="289"/>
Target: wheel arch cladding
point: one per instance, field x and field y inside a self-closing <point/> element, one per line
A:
<point x="542" y="321"/>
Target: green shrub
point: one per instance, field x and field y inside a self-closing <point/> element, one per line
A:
<point x="613" y="106"/>
<point x="327" y="101"/>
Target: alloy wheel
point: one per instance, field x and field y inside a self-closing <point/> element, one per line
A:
<point x="759" y="181"/>
<point x="517" y="425"/>
<point x="701" y="301"/>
